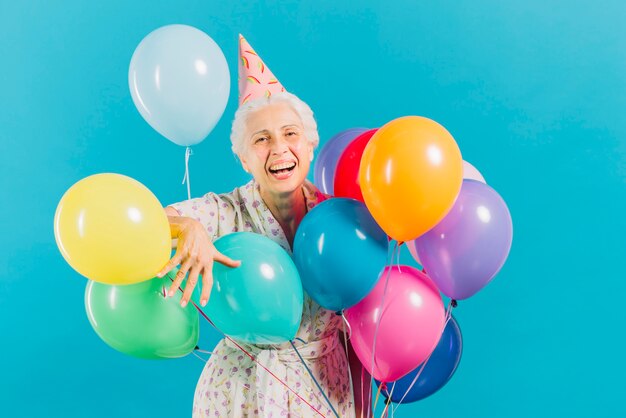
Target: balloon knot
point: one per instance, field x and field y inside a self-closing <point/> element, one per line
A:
<point x="338" y="313"/>
<point x="454" y="303"/>
<point x="388" y="401"/>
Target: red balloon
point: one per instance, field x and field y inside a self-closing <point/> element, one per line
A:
<point x="347" y="171"/>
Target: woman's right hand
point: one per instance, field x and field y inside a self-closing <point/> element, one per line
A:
<point x="195" y="253"/>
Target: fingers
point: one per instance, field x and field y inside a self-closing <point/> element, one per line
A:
<point x="207" y="284"/>
<point x="192" y="280"/>
<point x="179" y="277"/>
<point x="226" y="260"/>
<point x="170" y="264"/>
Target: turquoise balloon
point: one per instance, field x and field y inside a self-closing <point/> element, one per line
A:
<point x="139" y="320"/>
<point x="179" y="81"/>
<point x="340" y="251"/>
<point x="260" y="301"/>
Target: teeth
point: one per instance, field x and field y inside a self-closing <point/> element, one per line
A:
<point x="283" y="166"/>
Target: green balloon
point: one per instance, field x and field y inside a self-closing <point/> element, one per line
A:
<point x="259" y="302"/>
<point x="139" y="320"/>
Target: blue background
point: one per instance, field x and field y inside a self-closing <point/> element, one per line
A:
<point x="534" y="93"/>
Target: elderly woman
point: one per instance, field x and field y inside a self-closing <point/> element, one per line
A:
<point x="274" y="138"/>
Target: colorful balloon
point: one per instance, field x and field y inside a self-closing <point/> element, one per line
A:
<point x="410" y="175"/>
<point x="471" y="173"/>
<point x="259" y="302"/>
<point x="439" y="369"/>
<point x="339" y="250"/>
<point x="326" y="161"/>
<point x="347" y="174"/>
<point x="111" y="229"/>
<point x="411" y="321"/>
<point x="469" y="246"/>
<point x="180" y="82"/>
<point x="140" y="320"/>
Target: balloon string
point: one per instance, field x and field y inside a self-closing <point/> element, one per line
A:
<point x="380" y="314"/>
<point x="387" y="408"/>
<point x="377" y="396"/>
<point x="447" y="318"/>
<point x="387" y="402"/>
<point x="250" y="355"/>
<point x="398" y="256"/>
<point x="346" y="337"/>
<point x="346" y="323"/>
<point x="362" y="397"/>
<point x="204" y="352"/>
<point x="198" y="356"/>
<point x="188" y="153"/>
<point x="314" y="379"/>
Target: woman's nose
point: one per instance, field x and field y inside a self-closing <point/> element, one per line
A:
<point x="279" y="147"/>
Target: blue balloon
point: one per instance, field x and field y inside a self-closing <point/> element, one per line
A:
<point x="340" y="251"/>
<point x="437" y="372"/>
<point x="260" y="301"/>
<point x="179" y="82"/>
<point x="326" y="162"/>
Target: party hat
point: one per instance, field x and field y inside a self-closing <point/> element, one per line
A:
<point x="255" y="78"/>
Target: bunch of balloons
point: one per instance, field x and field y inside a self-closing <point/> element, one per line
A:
<point x="113" y="230"/>
<point x="407" y="182"/>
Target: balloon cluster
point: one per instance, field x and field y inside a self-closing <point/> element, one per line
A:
<point x="113" y="230"/>
<point x="407" y="182"/>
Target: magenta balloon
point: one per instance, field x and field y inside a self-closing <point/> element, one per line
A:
<point x="410" y="325"/>
<point x="468" y="247"/>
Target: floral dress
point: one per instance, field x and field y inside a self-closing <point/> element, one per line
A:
<point x="231" y="384"/>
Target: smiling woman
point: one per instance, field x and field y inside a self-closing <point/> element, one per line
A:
<point x="274" y="135"/>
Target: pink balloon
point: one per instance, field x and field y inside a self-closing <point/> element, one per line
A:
<point x="410" y="325"/>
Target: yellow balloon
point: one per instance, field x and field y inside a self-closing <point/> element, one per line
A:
<point x="410" y="175"/>
<point x="112" y="229"/>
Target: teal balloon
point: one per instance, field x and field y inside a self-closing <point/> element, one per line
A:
<point x="180" y="82"/>
<point x="340" y="251"/>
<point x="139" y="320"/>
<point x="260" y="301"/>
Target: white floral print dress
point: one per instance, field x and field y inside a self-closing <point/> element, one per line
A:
<point x="231" y="384"/>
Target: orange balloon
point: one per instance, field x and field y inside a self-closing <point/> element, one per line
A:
<point x="411" y="174"/>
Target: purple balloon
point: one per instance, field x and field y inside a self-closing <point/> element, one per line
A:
<point x="326" y="162"/>
<point x="464" y="251"/>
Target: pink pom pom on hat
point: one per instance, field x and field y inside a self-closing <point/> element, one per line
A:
<point x="255" y="78"/>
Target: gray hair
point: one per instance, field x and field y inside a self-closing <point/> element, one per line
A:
<point x="302" y="109"/>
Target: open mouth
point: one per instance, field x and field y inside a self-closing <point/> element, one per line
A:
<point x="282" y="169"/>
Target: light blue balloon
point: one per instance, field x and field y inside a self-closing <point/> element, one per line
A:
<point x="180" y="82"/>
<point x="260" y="301"/>
<point x="340" y="251"/>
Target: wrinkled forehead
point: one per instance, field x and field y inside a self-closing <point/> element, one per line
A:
<point x="272" y="117"/>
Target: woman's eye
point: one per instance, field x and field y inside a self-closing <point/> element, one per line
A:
<point x="260" y="139"/>
<point x="291" y="133"/>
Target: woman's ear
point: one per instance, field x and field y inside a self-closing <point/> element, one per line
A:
<point x="244" y="164"/>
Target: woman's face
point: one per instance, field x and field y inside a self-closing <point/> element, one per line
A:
<point x="276" y="151"/>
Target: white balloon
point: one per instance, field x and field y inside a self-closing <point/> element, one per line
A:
<point x="179" y="81"/>
<point x="471" y="173"/>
